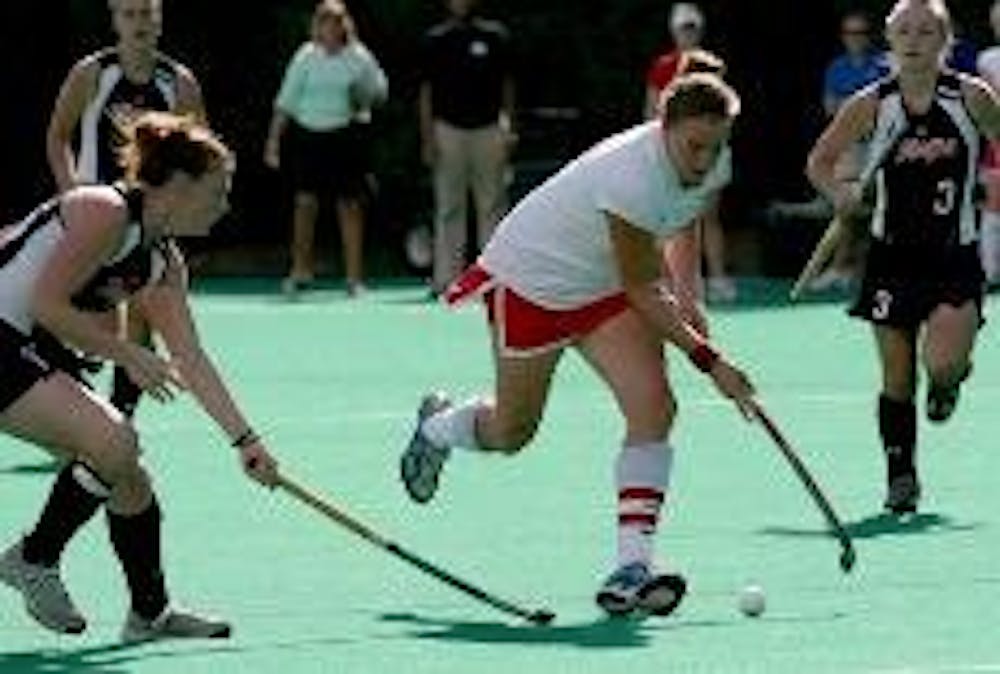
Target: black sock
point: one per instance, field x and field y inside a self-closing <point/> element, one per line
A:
<point x="136" y="540"/>
<point x="125" y="393"/>
<point x="897" y="424"/>
<point x="75" y="497"/>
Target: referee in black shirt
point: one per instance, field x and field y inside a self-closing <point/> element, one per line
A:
<point x="466" y="126"/>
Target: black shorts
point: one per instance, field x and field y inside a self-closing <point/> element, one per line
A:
<point x="20" y="367"/>
<point x="902" y="285"/>
<point x="326" y="162"/>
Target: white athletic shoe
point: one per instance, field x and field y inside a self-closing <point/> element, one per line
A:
<point x="421" y="463"/>
<point x="173" y="623"/>
<point x="45" y="596"/>
<point x="356" y="289"/>
<point x="291" y="287"/>
<point x="634" y="587"/>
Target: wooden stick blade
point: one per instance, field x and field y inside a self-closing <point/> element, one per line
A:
<point x="821" y="254"/>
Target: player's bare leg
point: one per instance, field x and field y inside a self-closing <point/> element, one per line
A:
<point x="629" y="358"/>
<point x="720" y="287"/>
<point x="949" y="338"/>
<point x="505" y="424"/>
<point x="102" y="454"/>
<point x="303" y="233"/>
<point x="125" y="393"/>
<point x="351" y="215"/>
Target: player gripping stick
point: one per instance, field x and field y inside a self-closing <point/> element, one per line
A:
<point x="923" y="284"/>
<point x="78" y="254"/>
<point x="576" y="264"/>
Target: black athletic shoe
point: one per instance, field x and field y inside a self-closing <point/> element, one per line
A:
<point x="903" y="494"/>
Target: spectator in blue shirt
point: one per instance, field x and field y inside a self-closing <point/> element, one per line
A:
<point x="859" y="65"/>
<point x="963" y="54"/>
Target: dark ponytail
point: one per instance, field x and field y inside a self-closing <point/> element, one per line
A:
<point x="158" y="144"/>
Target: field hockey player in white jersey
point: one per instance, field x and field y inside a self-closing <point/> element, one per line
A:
<point x="102" y="93"/>
<point x="576" y="264"/>
<point x="78" y="254"/>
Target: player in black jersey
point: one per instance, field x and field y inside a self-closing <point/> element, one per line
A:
<point x="90" y="248"/>
<point x="923" y="280"/>
<point x="102" y="92"/>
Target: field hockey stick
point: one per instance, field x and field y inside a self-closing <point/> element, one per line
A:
<point x="821" y="254"/>
<point x="847" y="554"/>
<point x="884" y="140"/>
<point x="332" y="512"/>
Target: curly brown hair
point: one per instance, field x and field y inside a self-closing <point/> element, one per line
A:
<point x="158" y="144"/>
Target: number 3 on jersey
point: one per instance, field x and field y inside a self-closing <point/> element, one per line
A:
<point x="944" y="200"/>
<point x="882" y="301"/>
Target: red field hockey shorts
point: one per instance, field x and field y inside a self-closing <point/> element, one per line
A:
<point x="524" y="328"/>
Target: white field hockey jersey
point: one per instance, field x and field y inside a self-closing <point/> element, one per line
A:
<point x="26" y="247"/>
<point x="554" y="247"/>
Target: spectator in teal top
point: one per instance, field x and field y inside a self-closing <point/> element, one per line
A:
<point x="331" y="83"/>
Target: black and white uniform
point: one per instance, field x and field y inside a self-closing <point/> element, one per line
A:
<point x="925" y="225"/>
<point x="118" y="100"/>
<point x="24" y="251"/>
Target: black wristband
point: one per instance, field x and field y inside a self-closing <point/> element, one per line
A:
<point x="247" y="437"/>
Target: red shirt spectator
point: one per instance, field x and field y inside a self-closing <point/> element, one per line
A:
<point x="687" y="26"/>
<point x="663" y="70"/>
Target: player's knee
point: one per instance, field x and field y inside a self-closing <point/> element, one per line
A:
<point x="118" y="458"/>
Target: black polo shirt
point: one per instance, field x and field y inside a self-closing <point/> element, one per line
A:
<point x="465" y="63"/>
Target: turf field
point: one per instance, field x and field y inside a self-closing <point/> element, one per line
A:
<point x="333" y="384"/>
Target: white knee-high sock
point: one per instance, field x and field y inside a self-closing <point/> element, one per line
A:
<point x="454" y="426"/>
<point x="642" y="476"/>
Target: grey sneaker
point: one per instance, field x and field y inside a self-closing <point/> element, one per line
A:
<point x="421" y="463"/>
<point x="45" y="596"/>
<point x="633" y="587"/>
<point x="903" y="494"/>
<point x="173" y="623"/>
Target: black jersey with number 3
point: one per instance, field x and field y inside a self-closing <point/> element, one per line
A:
<point x="927" y="163"/>
<point x="116" y="101"/>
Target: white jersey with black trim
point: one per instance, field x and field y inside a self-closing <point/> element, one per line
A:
<point x="116" y="101"/>
<point x="925" y="168"/>
<point x="554" y="247"/>
<point x="26" y="246"/>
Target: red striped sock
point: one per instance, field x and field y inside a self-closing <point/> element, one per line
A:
<point x="638" y="516"/>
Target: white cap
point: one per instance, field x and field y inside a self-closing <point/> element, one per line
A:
<point x="686" y="14"/>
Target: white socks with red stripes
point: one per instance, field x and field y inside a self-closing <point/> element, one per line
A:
<point x="454" y="426"/>
<point x="642" y="474"/>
